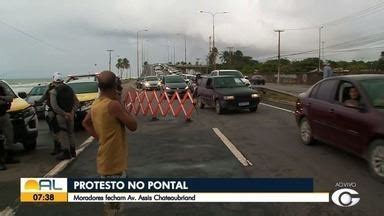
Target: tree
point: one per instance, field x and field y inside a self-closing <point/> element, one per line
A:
<point x="122" y="64"/>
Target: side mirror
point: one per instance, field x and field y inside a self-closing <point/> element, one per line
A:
<point x="246" y="77"/>
<point x="22" y="95"/>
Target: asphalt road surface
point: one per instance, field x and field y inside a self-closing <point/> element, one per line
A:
<point x="173" y="148"/>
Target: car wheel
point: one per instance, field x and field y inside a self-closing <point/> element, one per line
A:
<point x="219" y="109"/>
<point x="30" y="144"/>
<point x="376" y="159"/>
<point x="306" y="132"/>
<point x="200" y="103"/>
<point x="253" y="109"/>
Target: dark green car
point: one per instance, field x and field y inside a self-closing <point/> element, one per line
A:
<point x="226" y="93"/>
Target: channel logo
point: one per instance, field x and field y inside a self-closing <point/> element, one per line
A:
<point x="43" y="185"/>
<point x="345" y="197"/>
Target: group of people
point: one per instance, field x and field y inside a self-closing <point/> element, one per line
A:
<point x="62" y="103"/>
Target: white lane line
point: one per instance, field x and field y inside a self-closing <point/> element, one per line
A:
<point x="64" y="163"/>
<point x="279" y="108"/>
<point x="9" y="211"/>
<point x="232" y="148"/>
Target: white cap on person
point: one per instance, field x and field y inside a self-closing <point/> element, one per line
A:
<point x="57" y="77"/>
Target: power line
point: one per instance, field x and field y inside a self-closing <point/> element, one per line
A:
<point x="31" y="36"/>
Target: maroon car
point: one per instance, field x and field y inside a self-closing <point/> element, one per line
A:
<point x="347" y="112"/>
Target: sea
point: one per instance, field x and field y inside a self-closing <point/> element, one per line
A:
<point x="25" y="85"/>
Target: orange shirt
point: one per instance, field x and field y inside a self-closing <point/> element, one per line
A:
<point x="112" y="154"/>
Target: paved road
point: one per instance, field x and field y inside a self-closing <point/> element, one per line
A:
<point x="268" y="138"/>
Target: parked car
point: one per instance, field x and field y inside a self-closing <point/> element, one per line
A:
<point x="86" y="91"/>
<point x="226" y="93"/>
<point x="23" y="117"/>
<point x="173" y="83"/>
<point x="151" y="83"/>
<point x="347" y="112"/>
<point x="35" y="94"/>
<point x="257" y="80"/>
<point x="234" y="73"/>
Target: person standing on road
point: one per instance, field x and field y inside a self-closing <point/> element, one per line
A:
<point x="51" y="119"/>
<point x="6" y="128"/>
<point x="106" y="121"/>
<point x="64" y="103"/>
<point x="327" y="70"/>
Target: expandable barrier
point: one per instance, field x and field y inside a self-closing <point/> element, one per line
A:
<point x="157" y="103"/>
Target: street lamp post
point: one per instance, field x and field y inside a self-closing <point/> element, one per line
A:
<point x="213" y="23"/>
<point x="213" y="29"/>
<point x="185" y="46"/>
<point x="320" y="28"/>
<point x="110" y="52"/>
<point x="137" y="54"/>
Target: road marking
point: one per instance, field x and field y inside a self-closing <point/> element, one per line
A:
<point x="232" y="148"/>
<point x="64" y="163"/>
<point x="9" y="211"/>
<point x="279" y="108"/>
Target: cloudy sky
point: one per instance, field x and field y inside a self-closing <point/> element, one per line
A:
<point x="40" y="37"/>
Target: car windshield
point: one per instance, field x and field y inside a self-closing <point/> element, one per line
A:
<point x="84" y="87"/>
<point x="151" y="79"/>
<point x="228" y="82"/>
<point x="38" y="90"/>
<point x="374" y="89"/>
<point x="232" y="73"/>
<point x="174" y="79"/>
<point x="8" y="90"/>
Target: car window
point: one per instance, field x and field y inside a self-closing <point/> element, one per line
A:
<point x="232" y="73"/>
<point x="151" y="78"/>
<point x="228" y="82"/>
<point x="8" y="90"/>
<point x="374" y="90"/>
<point x="174" y="79"/>
<point x="84" y="87"/>
<point x="343" y="91"/>
<point x="326" y="90"/>
<point x="38" y="90"/>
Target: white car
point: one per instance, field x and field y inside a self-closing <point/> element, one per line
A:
<point x="234" y="73"/>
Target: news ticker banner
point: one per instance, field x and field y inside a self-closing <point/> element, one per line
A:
<point x="169" y="190"/>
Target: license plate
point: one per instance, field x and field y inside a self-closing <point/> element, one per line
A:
<point x="244" y="103"/>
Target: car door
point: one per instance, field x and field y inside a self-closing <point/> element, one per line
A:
<point x="209" y="92"/>
<point x="320" y="110"/>
<point x="352" y="124"/>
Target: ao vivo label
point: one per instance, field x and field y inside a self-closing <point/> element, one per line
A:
<point x="43" y="190"/>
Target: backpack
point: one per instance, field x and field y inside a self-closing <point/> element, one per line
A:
<point x="65" y="97"/>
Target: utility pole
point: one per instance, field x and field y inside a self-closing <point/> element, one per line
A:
<point x="110" y="57"/>
<point x="185" y="46"/>
<point x="168" y="47"/>
<point x="210" y="44"/>
<point x="174" y="52"/>
<point x="322" y="50"/>
<point x="320" y="28"/>
<point x="278" y="56"/>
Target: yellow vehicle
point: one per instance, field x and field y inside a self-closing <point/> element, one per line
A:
<point x="23" y="117"/>
<point x="87" y="91"/>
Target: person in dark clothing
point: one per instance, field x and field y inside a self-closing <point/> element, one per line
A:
<point x="6" y="128"/>
<point x="51" y="119"/>
<point x="64" y="103"/>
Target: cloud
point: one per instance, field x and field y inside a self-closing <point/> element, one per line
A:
<point x="85" y="29"/>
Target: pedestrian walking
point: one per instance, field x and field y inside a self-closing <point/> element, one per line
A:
<point x="6" y="130"/>
<point x="106" y="121"/>
<point x="51" y="119"/>
<point x="64" y="103"/>
<point x="327" y="70"/>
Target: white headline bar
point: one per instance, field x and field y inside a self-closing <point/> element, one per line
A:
<point x="200" y="197"/>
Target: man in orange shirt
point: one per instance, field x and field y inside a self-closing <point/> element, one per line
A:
<point x="107" y="121"/>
